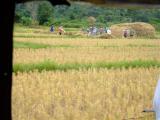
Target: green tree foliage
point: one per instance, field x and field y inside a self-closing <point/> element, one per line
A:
<point x="22" y="15"/>
<point x="77" y="14"/>
<point x="45" y="13"/>
<point x="156" y="23"/>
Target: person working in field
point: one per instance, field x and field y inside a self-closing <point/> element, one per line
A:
<point x="52" y="28"/>
<point x="125" y="33"/>
<point x="109" y="31"/>
<point x="101" y="30"/>
<point x="61" y="30"/>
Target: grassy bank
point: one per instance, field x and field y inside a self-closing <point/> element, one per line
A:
<point x="20" y="44"/>
<point x="52" y="66"/>
<point x="36" y="45"/>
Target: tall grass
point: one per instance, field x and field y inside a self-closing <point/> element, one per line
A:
<point x="50" y="65"/>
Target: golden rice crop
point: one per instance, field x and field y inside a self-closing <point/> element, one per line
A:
<point x="38" y="34"/>
<point x="90" y="41"/>
<point x="94" y="94"/>
<point x="88" y="50"/>
<point x="84" y="95"/>
<point x="86" y="54"/>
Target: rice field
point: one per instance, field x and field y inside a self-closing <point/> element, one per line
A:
<point x="81" y="78"/>
<point x="87" y="50"/>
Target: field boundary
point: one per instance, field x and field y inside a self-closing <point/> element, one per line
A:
<point x="49" y="65"/>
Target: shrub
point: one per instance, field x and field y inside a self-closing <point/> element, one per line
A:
<point x="26" y="21"/>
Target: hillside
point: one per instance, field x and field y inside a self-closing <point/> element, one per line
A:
<point x="42" y="13"/>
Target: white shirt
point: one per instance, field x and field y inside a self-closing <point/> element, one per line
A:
<point x="156" y="101"/>
<point x="109" y="32"/>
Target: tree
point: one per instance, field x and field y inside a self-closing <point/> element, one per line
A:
<point x="21" y="12"/>
<point x="32" y="8"/>
<point x="45" y="13"/>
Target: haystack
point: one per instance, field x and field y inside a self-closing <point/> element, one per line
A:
<point x="74" y="34"/>
<point x="105" y="36"/>
<point x="139" y="29"/>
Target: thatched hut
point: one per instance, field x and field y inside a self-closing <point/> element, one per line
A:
<point x="137" y="29"/>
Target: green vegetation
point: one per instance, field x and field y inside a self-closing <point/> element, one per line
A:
<point x="30" y="45"/>
<point x="44" y="13"/>
<point x="18" y="44"/>
<point x="36" y="45"/>
<point x="76" y="16"/>
<point x="51" y="65"/>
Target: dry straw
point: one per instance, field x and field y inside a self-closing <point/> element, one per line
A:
<point x="140" y="29"/>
